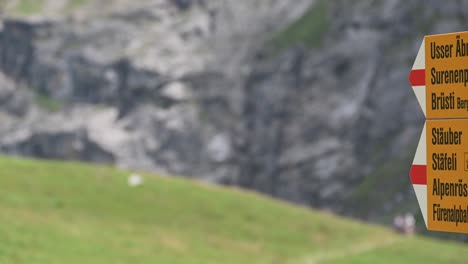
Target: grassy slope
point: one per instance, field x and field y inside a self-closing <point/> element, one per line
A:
<point x="54" y="212"/>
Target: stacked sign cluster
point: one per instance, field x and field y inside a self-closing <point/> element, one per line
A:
<point x="439" y="173"/>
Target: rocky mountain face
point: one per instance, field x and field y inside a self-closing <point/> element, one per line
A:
<point x="144" y="85"/>
<point x="307" y="101"/>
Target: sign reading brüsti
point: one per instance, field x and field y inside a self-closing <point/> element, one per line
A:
<point x="440" y="75"/>
<point x="439" y="173"/>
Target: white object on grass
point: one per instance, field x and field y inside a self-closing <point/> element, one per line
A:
<point x="135" y="180"/>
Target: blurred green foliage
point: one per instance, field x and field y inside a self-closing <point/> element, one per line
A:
<point x="29" y="7"/>
<point x="48" y="103"/>
<point x="74" y="4"/>
<point x="308" y="30"/>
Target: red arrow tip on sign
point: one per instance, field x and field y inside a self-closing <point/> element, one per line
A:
<point x="418" y="174"/>
<point x="417" y="77"/>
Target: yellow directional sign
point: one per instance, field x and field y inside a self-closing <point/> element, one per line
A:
<point x="447" y="75"/>
<point x="447" y="175"/>
<point x="440" y="75"/>
<point x="439" y="173"/>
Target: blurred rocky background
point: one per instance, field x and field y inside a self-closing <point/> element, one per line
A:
<point x="305" y="100"/>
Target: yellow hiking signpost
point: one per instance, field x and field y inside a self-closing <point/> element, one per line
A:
<point x="439" y="172"/>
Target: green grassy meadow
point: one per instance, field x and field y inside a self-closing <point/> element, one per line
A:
<point x="65" y="212"/>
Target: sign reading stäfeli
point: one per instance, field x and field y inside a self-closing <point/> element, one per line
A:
<point x="447" y="174"/>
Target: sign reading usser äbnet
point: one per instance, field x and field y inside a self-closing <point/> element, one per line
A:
<point x="440" y="75"/>
<point x="439" y="173"/>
